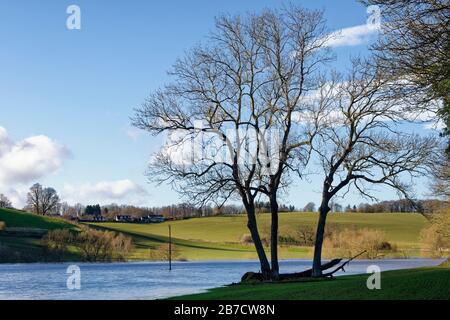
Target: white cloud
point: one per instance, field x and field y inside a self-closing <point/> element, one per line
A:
<point x="26" y="161"/>
<point x="29" y="159"/>
<point x="5" y="142"/>
<point x="352" y="36"/>
<point x="16" y="195"/>
<point x="104" y="192"/>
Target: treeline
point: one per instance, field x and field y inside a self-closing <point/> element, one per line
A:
<point x="46" y="201"/>
<point x="388" y="206"/>
<point x="175" y="211"/>
<point x="401" y="206"/>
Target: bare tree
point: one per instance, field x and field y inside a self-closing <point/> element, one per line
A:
<point x="42" y="200"/>
<point x="78" y="209"/>
<point x="293" y="45"/>
<point x="34" y="198"/>
<point x="441" y="176"/>
<point x="50" y="201"/>
<point x="361" y="145"/>
<point x="310" y="207"/>
<point x="4" y="201"/>
<point x="234" y="101"/>
<point x="414" y="46"/>
<point x="65" y="209"/>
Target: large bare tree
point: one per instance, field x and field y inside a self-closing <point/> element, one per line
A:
<point x="361" y="142"/>
<point x="414" y="46"/>
<point x="42" y="200"/>
<point x="233" y="107"/>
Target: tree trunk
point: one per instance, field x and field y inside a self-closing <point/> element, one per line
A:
<point x="253" y="227"/>
<point x="275" y="271"/>
<point x="317" y="262"/>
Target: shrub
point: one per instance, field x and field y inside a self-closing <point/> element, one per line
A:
<point x="288" y="240"/>
<point x="349" y="242"/>
<point x="56" y="242"/>
<point x="305" y="236"/>
<point x="287" y="235"/>
<point x="436" y="237"/>
<point x="2" y="226"/>
<point x="161" y="253"/>
<point x="246" y="238"/>
<point x="122" y="246"/>
<point x="265" y="235"/>
<point x="434" y="243"/>
<point x="93" y="245"/>
<point x="96" y="245"/>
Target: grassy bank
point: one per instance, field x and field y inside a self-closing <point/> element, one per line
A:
<point x="20" y="242"/>
<point x="220" y="237"/>
<point x="411" y="284"/>
<point x="21" y="219"/>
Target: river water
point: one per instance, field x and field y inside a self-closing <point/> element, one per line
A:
<point x="149" y="280"/>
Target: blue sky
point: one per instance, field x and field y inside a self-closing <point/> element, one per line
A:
<point x="76" y="89"/>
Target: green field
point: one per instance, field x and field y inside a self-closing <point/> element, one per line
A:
<point x="410" y="284"/>
<point x="219" y="237"/>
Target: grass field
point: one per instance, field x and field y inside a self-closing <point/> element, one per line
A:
<point x="410" y="284"/>
<point x="219" y="237"/>
<point x="215" y="238"/>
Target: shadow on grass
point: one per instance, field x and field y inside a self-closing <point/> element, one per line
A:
<point x="142" y="237"/>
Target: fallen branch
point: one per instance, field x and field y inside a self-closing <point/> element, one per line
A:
<point x="253" y="276"/>
<point x="341" y="267"/>
<point x="308" y="273"/>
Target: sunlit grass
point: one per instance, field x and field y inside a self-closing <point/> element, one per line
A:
<point x="410" y="284"/>
<point x="19" y="219"/>
<point x="219" y="237"/>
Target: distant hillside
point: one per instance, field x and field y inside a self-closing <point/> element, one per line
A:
<point x="19" y="219"/>
<point x="21" y="240"/>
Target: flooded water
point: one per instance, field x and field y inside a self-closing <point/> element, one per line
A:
<point x="149" y="280"/>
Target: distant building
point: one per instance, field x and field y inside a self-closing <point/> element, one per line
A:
<point x="152" y="219"/>
<point x="146" y="219"/>
<point x="156" y="218"/>
<point x="123" y="218"/>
